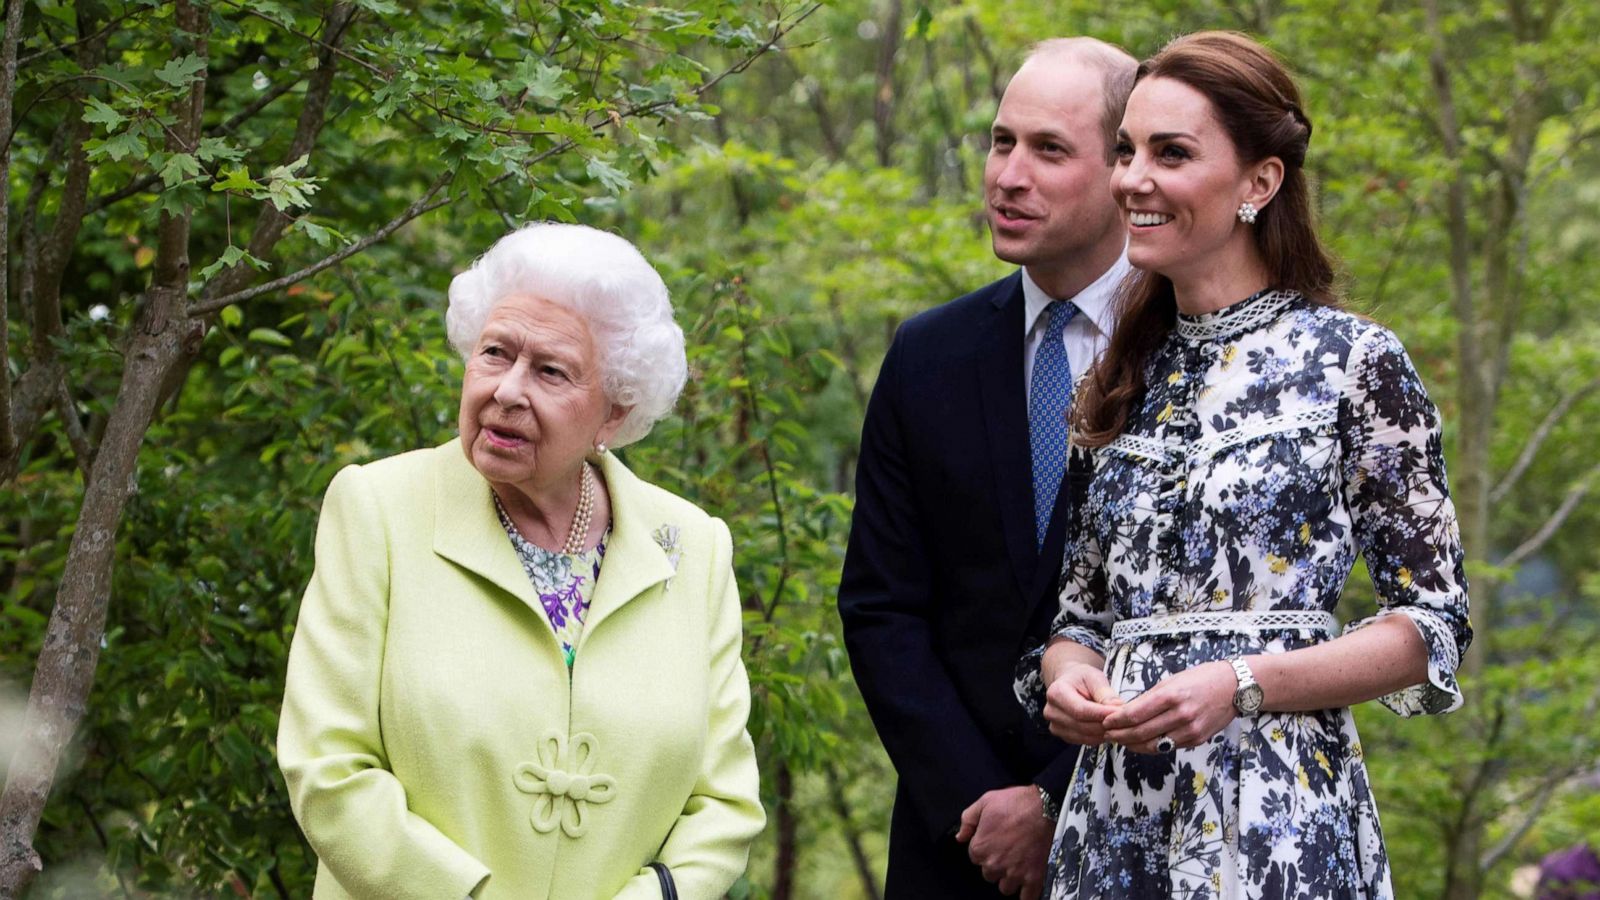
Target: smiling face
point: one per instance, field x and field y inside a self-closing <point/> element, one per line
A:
<point x="1180" y="182"/>
<point x="532" y="404"/>
<point x="1045" y="179"/>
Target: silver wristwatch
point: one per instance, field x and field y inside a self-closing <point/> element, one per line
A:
<point x="1247" y="696"/>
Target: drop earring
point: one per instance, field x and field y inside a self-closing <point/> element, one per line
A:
<point x="1247" y="212"/>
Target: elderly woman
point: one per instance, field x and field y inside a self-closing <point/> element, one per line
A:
<point x="1249" y="437"/>
<point x="516" y="672"/>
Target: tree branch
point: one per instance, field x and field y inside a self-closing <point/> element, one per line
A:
<point x="102" y="32"/>
<point x="43" y="272"/>
<point x="313" y="114"/>
<point x="1558" y="518"/>
<point x="1530" y="450"/>
<point x="145" y="181"/>
<point x="1547" y="790"/>
<point x="67" y="412"/>
<point x="424" y="204"/>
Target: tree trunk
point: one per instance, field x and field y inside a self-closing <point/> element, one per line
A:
<point x="64" y="673"/>
<point x="8" y="83"/>
<point x="783" y="866"/>
<point x="883" y="97"/>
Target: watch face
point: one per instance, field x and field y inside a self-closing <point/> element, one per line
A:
<point x="1248" y="699"/>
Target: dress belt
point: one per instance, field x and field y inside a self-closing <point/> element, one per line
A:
<point x="1225" y="622"/>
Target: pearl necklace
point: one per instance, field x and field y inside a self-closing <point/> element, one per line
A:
<point x="578" y="534"/>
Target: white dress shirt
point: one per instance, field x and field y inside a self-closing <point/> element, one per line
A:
<point x="1086" y="334"/>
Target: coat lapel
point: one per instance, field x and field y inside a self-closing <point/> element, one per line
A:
<point x="466" y="529"/>
<point x="467" y="532"/>
<point x="1005" y="418"/>
<point x="635" y="561"/>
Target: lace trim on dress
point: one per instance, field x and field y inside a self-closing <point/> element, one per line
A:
<point x="1142" y="447"/>
<point x="1243" y="316"/>
<point x="1161" y="454"/>
<point x="1313" y="417"/>
<point x="1225" y="622"/>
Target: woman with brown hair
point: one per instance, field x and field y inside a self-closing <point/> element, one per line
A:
<point x="1241" y="441"/>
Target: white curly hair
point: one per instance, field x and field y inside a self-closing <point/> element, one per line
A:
<point x="606" y="280"/>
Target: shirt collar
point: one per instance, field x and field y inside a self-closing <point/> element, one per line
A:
<point x="1095" y="302"/>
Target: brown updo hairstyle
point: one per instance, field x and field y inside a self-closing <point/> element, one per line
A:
<point x="1255" y="99"/>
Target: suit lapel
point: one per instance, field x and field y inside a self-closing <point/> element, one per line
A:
<point x="635" y="559"/>
<point x="1005" y="419"/>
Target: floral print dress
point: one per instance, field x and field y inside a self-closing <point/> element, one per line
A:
<point x="564" y="582"/>
<point x="1276" y="440"/>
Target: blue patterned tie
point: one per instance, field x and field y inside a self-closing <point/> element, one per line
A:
<point x="1049" y="399"/>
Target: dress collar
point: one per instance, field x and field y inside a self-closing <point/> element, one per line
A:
<point x="1235" y="319"/>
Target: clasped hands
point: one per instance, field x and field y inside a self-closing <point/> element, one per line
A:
<point x="1190" y="707"/>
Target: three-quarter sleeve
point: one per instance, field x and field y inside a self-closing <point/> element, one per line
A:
<point x="1084" y="615"/>
<point x="1405" y="525"/>
<point x="351" y="807"/>
<point x="708" y="846"/>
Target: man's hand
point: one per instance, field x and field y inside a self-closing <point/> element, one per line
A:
<point x="1077" y="703"/>
<point x="1008" y="837"/>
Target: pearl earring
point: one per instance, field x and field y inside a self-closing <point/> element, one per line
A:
<point x="600" y="448"/>
<point x="1247" y="213"/>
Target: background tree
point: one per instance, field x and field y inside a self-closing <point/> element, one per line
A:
<point x="163" y="129"/>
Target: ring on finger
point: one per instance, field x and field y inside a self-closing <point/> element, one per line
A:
<point x="1165" y="744"/>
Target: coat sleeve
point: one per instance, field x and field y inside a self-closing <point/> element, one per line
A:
<point x="351" y="807"/>
<point x="886" y="604"/>
<point x="709" y="845"/>
<point x="1394" y="483"/>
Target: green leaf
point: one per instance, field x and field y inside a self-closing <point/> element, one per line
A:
<point x="381" y="7"/>
<point x="269" y="336"/>
<point x="101" y="114"/>
<point x="230" y="258"/>
<point x="181" y="72"/>
<point x="613" y="178"/>
<point x="236" y="178"/>
<point x="212" y="149"/>
<point x="322" y="236"/>
<point x="116" y="147"/>
<point x="178" y="168"/>
<point x="286" y="189"/>
<point x="232" y="315"/>
<point x="541" y="80"/>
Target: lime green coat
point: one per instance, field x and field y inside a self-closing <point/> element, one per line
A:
<point x="433" y="742"/>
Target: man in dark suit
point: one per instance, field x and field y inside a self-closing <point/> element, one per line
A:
<point x="955" y="546"/>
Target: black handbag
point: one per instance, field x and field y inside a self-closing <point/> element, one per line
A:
<point x="669" y="891"/>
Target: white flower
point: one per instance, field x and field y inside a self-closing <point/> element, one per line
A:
<point x="260" y="81"/>
<point x="99" y="312"/>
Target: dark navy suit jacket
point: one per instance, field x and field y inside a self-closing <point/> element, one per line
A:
<point x="943" y="587"/>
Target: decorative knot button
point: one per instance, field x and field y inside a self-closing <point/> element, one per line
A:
<point x="563" y="783"/>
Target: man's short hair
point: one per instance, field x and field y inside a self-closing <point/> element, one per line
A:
<point x="1116" y="67"/>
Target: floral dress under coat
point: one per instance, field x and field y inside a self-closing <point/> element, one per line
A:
<point x="564" y="582"/>
<point x="1276" y="440"/>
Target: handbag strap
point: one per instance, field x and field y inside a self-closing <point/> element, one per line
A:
<point x="669" y="891"/>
